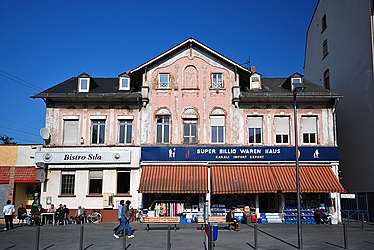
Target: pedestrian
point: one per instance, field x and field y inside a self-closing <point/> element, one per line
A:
<point x="8" y="211"/>
<point x="125" y="216"/>
<point x="121" y="203"/>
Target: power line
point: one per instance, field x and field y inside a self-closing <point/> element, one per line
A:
<point x="20" y="131"/>
<point x="23" y="125"/>
<point x="19" y="80"/>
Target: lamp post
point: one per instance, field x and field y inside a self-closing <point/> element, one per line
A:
<point x="297" y="86"/>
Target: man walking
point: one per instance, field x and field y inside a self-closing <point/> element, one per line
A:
<point x="8" y="211"/>
<point x="121" y="203"/>
<point x="125" y="215"/>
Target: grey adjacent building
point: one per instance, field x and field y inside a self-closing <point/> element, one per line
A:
<point x="339" y="56"/>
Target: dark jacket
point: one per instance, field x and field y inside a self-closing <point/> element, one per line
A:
<point x="230" y="217"/>
<point x="125" y="214"/>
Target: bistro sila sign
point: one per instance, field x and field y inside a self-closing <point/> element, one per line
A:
<point x="83" y="157"/>
<point x="249" y="153"/>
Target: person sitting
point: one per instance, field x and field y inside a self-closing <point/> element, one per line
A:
<point x="80" y="215"/>
<point x="37" y="215"/>
<point x="22" y="215"/>
<point x="95" y="217"/>
<point x="231" y="218"/>
<point x="52" y="209"/>
<point x="59" y="215"/>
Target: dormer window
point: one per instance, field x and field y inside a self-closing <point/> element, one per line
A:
<point x="163" y="80"/>
<point x="84" y="84"/>
<point x="255" y="81"/>
<point x="124" y="83"/>
<point x="296" y="83"/>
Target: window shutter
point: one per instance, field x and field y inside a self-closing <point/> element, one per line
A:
<point x="309" y="125"/>
<point x="217" y="120"/>
<point x="71" y="132"/>
<point x="96" y="174"/>
<point x="255" y="122"/>
<point x="282" y="125"/>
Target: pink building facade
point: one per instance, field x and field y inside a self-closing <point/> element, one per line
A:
<point x="201" y="127"/>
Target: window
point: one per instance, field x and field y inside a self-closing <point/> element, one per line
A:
<point x="84" y="84"/>
<point x="324" y="23"/>
<point x="282" y="129"/>
<point x="67" y="182"/>
<point x="124" y="83"/>
<point x="96" y="182"/>
<point x="163" y="129"/>
<point x="326" y="79"/>
<point x="70" y="132"/>
<point x="255" y="81"/>
<point x="325" y="49"/>
<point x="123" y="182"/>
<point x="309" y="129"/>
<point x="125" y="132"/>
<point x="217" y="129"/>
<point x="255" y="130"/>
<point x="190" y="131"/>
<point x="163" y="80"/>
<point x="98" y="132"/>
<point x="217" y="80"/>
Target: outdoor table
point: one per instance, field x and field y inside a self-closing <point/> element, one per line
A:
<point x="46" y="215"/>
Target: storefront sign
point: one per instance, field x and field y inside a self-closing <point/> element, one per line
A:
<point x="348" y="196"/>
<point x="238" y="153"/>
<point x="82" y="157"/>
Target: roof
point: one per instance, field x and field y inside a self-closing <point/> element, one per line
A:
<point x="99" y="88"/>
<point x="275" y="89"/>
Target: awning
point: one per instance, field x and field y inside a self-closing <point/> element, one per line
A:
<point x="174" y="179"/>
<point x="242" y="179"/>
<point x="22" y="174"/>
<point x="269" y="179"/>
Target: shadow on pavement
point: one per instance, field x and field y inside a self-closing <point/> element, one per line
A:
<point x="332" y="244"/>
<point x="274" y="237"/>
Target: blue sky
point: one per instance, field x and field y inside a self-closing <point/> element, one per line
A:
<point x="43" y="43"/>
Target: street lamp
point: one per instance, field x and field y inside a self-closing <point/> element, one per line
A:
<point x="297" y="86"/>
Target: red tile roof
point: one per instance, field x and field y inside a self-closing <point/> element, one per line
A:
<point x="22" y="174"/>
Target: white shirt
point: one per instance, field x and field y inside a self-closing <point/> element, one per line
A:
<point x="8" y="209"/>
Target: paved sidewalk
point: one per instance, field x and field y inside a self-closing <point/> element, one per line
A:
<point x="188" y="236"/>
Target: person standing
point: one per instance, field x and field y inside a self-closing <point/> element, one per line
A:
<point x="125" y="215"/>
<point x="121" y="203"/>
<point x="8" y="211"/>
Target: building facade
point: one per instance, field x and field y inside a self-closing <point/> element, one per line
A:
<point x="18" y="175"/>
<point x="206" y="129"/>
<point x="341" y="59"/>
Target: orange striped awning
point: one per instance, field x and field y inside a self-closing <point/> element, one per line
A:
<point x="174" y="179"/>
<point x="242" y="179"/>
<point x="22" y="174"/>
<point x="270" y="179"/>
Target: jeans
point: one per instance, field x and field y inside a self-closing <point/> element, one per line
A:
<point x="9" y="221"/>
<point x="124" y="223"/>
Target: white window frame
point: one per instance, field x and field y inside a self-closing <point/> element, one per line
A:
<point x="98" y="135"/>
<point x="163" y="85"/>
<point x="190" y="135"/>
<point x="282" y="133"/>
<point x="95" y="175"/>
<point x="310" y="131"/>
<point x="258" y="125"/>
<point x="218" y="122"/>
<point x="215" y="83"/>
<point x="255" y="84"/>
<point x="121" y="87"/>
<point x="65" y="119"/>
<point x="163" y="125"/>
<point x="126" y="123"/>
<point x="70" y="173"/>
<point x="80" y="89"/>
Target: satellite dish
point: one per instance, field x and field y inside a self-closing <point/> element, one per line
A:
<point x="44" y="133"/>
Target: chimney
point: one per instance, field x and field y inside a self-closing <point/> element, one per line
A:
<point x="253" y="69"/>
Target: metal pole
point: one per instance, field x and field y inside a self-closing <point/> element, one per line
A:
<point x="211" y="236"/>
<point x="362" y="218"/>
<point x="345" y="236"/>
<point x="81" y="239"/>
<point x="255" y="235"/>
<point x="124" y="240"/>
<point x="37" y="238"/>
<point x="348" y="218"/>
<point x="168" y="246"/>
<point x="299" y="230"/>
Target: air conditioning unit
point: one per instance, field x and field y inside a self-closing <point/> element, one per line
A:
<point x="108" y="200"/>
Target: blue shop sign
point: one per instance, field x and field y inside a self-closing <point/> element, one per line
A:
<point x="249" y="153"/>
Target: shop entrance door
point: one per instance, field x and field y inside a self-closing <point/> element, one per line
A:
<point x="269" y="203"/>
